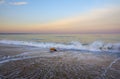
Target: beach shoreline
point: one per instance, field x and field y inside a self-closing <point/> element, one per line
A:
<point x="60" y="65"/>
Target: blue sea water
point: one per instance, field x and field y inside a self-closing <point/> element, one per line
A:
<point x="89" y="49"/>
<point x="80" y="42"/>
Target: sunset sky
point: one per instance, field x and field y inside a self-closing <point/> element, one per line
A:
<point x="59" y="16"/>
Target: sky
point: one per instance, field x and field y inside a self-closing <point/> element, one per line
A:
<point x="59" y="16"/>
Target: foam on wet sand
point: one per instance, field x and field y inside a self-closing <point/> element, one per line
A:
<point x="37" y="64"/>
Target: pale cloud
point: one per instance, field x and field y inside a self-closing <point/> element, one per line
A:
<point x="2" y="1"/>
<point x="13" y="3"/>
<point x="18" y="3"/>
<point x="99" y="19"/>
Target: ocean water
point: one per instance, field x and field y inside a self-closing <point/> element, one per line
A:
<point x="98" y="51"/>
<point x="39" y="44"/>
<point x="63" y="38"/>
<point x="78" y="42"/>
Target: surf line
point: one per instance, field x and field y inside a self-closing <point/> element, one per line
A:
<point x="22" y="56"/>
<point x="106" y="70"/>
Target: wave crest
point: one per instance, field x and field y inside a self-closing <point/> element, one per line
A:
<point x="75" y="45"/>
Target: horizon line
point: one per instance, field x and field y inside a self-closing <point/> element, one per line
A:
<point x="56" y="33"/>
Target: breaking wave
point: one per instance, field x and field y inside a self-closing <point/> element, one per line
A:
<point x="74" y="45"/>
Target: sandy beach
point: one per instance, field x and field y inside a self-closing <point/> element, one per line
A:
<point x="57" y="65"/>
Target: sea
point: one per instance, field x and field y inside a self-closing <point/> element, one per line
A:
<point x="79" y="42"/>
<point x="95" y="50"/>
<point x="75" y="43"/>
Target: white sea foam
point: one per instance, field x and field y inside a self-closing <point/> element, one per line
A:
<point x="27" y="55"/>
<point x="15" y="58"/>
<point x="95" y="46"/>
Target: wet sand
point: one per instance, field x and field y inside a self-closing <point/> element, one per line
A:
<point x="10" y="50"/>
<point x="58" y="65"/>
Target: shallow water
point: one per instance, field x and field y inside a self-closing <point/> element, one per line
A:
<point x="63" y="38"/>
<point x="98" y="51"/>
<point x="108" y="44"/>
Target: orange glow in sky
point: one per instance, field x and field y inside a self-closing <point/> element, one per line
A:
<point x="21" y="17"/>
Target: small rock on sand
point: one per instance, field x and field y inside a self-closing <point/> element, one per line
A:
<point x="53" y="49"/>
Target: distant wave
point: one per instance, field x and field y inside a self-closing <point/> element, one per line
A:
<point x="74" y="45"/>
<point x="65" y="36"/>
